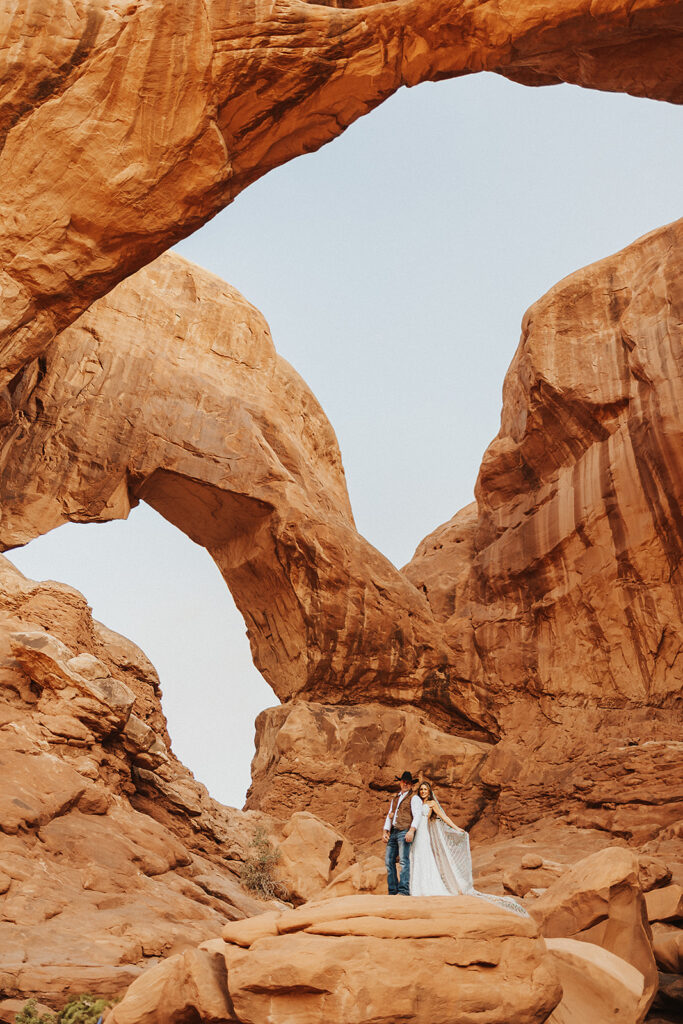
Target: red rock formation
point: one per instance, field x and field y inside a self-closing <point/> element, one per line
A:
<point x="599" y="900"/>
<point x="560" y="592"/>
<point x="153" y="116"/>
<point x="342" y="764"/>
<point x="493" y="621"/>
<point x="170" y="390"/>
<point x="111" y="855"/>
<point x="597" y="986"/>
<point x="357" y="959"/>
<point x="569" y="577"/>
<point x="547" y="616"/>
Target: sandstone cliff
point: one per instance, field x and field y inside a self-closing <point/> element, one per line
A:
<point x="111" y="854"/>
<point x="169" y="390"/>
<point x="561" y="589"/>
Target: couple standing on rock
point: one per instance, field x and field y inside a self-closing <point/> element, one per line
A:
<point x="433" y="852"/>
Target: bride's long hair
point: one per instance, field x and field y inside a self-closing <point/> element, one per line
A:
<point x="421" y="783"/>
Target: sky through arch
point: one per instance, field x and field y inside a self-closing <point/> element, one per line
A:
<point x="394" y="267"/>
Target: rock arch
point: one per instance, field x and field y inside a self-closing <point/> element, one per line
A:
<point x="154" y="116"/>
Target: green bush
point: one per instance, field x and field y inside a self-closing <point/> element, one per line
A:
<point x="258" y="873"/>
<point x="84" y="1010"/>
<point x="30" y="1015"/>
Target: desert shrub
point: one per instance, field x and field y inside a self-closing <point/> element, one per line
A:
<point x="84" y="1010"/>
<point x="258" y="873"/>
<point x="30" y="1015"/>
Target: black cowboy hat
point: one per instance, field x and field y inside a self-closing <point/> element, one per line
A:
<point x="406" y="777"/>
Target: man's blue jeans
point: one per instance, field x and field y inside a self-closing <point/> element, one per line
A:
<point x="398" y="847"/>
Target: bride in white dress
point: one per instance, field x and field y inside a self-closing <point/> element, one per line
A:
<point x="440" y="860"/>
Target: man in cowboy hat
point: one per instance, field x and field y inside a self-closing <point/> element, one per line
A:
<point x="399" y="832"/>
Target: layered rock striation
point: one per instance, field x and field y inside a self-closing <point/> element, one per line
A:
<point x="532" y="644"/>
<point x="112" y="856"/>
<point x="560" y="590"/>
<point x="169" y="390"/>
<point x="527" y="660"/>
<point x="565" y="578"/>
<point x="125" y="126"/>
<point x="356" y="959"/>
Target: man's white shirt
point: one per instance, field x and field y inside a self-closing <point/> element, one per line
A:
<point x="415" y="807"/>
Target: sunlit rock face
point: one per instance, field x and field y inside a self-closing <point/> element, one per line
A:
<point x="169" y="390"/>
<point x="529" y="607"/>
<point x="111" y="854"/>
<point x="341" y="762"/>
<point x="357" y="960"/>
<point x="565" y="578"/>
<point x="560" y="590"/>
<point x="152" y="116"/>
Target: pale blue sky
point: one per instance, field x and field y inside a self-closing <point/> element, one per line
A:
<point x="394" y="267"/>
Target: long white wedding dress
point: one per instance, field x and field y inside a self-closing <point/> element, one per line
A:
<point x="441" y="864"/>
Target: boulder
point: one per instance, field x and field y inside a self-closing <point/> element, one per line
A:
<point x="667" y="943"/>
<point x="345" y="960"/>
<point x="599" y="900"/>
<point x="362" y="959"/>
<point x="312" y="854"/>
<point x="187" y="987"/>
<point x="597" y="986"/>
<point x="96" y="697"/>
<point x="653" y="873"/>
<point x="368" y="875"/>
<point x="665" y="904"/>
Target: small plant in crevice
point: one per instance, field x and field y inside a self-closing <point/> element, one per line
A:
<point x="258" y="872"/>
<point x="84" y="1010"/>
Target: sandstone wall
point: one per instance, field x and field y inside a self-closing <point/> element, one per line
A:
<point x="566" y="580"/>
<point x="111" y="854"/>
<point x="527" y="660"/>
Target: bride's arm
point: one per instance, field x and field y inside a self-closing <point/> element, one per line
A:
<point x="444" y="817"/>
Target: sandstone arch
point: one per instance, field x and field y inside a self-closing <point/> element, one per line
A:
<point x="530" y="617"/>
<point x="169" y="390"/>
<point x="126" y="126"/>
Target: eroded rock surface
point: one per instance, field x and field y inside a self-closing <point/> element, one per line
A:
<point x="360" y="959"/>
<point x="152" y="116"/>
<point x="599" y="900"/>
<point x="111" y="854"/>
<point x="560" y="591"/>
<point x="571" y="581"/>
<point x="511" y="622"/>
<point x="597" y="986"/>
<point x="342" y="763"/>
<point x="170" y="390"/>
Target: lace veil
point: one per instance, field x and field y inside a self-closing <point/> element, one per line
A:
<point x="451" y="851"/>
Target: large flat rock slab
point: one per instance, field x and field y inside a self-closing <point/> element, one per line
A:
<point x="356" y="960"/>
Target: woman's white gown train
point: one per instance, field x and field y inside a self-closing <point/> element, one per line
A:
<point x="441" y="864"/>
